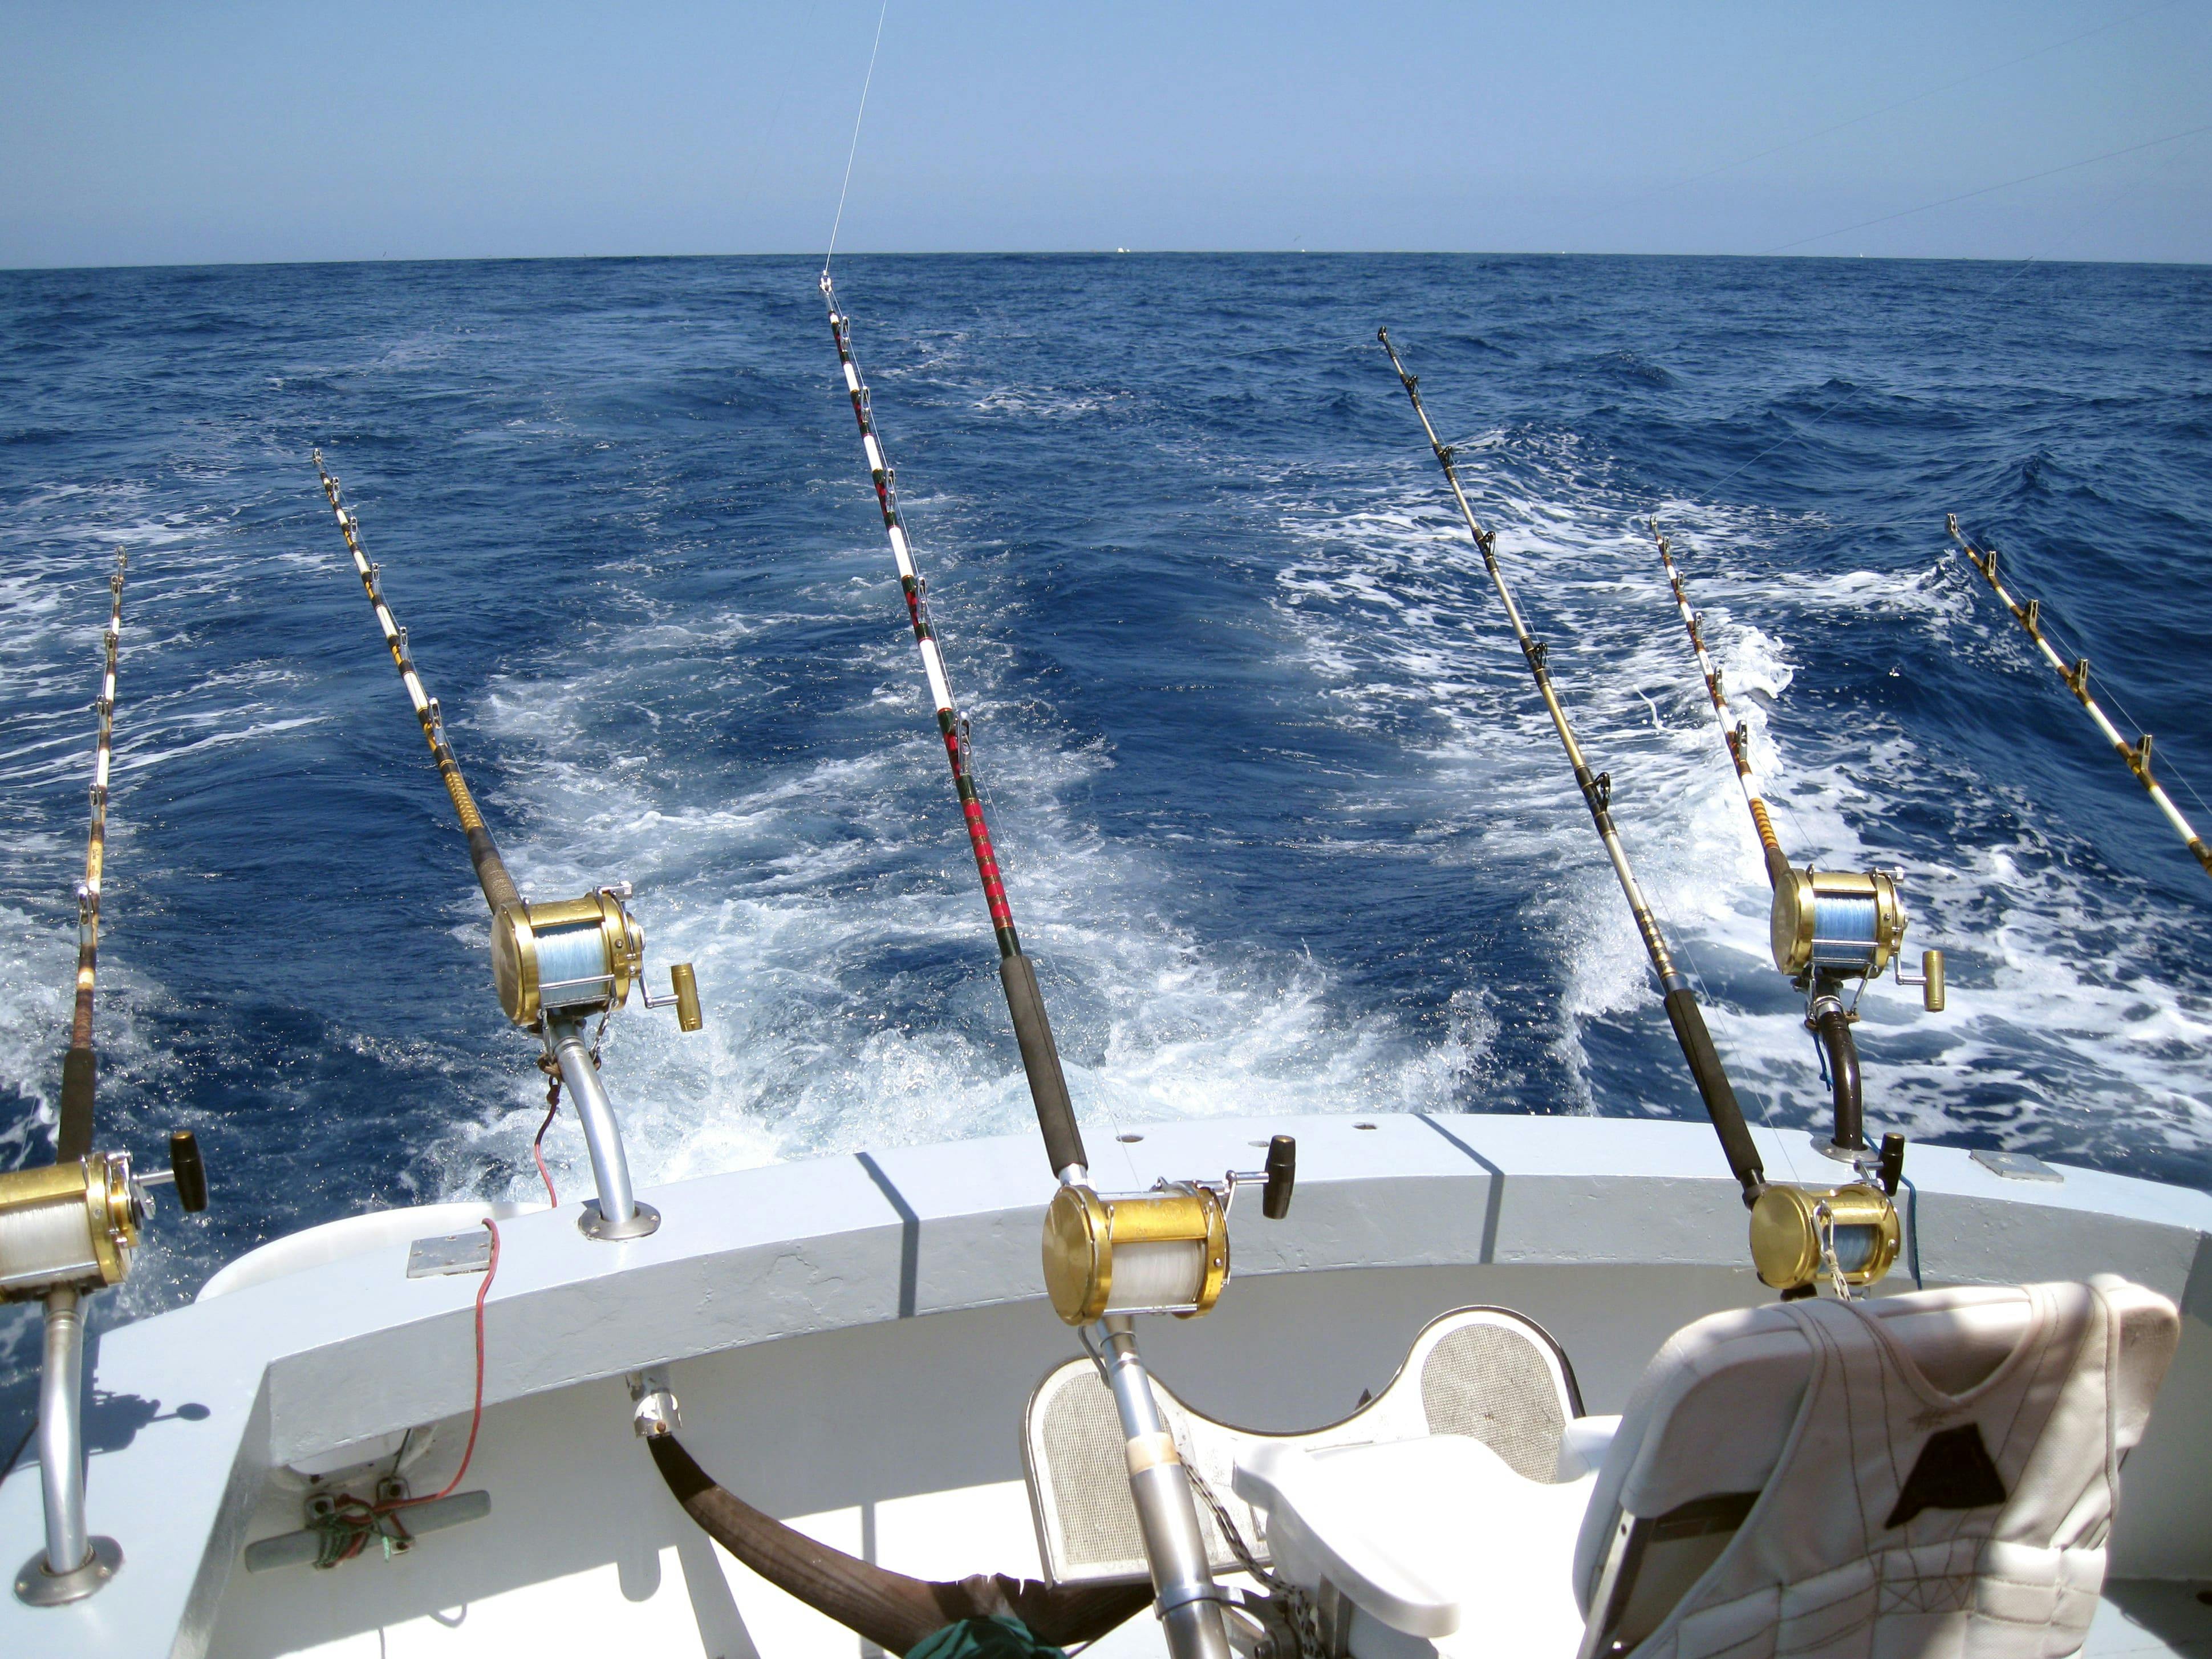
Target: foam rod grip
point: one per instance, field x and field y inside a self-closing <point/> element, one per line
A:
<point x="1063" y="1142"/>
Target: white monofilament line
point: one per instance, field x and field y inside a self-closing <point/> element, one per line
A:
<point x="867" y="81"/>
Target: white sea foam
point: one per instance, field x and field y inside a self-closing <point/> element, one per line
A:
<point x="2072" y="1001"/>
<point x="829" y="907"/>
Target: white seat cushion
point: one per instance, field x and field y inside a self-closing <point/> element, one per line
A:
<point x="1428" y="1536"/>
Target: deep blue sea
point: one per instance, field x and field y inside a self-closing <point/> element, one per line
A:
<point x="1280" y="815"/>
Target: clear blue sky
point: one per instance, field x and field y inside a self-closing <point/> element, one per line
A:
<point x="182" y="133"/>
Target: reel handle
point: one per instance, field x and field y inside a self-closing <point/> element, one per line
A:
<point x="1282" y="1178"/>
<point x="684" y="991"/>
<point x="188" y="1172"/>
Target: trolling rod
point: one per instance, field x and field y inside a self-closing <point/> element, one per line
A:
<point x="499" y="888"/>
<point x="1828" y="927"/>
<point x="1736" y="733"/>
<point x="1107" y="1258"/>
<point x="1055" y="1115"/>
<point x="554" y="964"/>
<point x="2076" y="675"/>
<point x="1683" y="1013"/>
<point x="73" y="1126"/>
<point x="69" y="1227"/>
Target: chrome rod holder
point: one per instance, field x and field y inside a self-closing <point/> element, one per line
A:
<point x="43" y="1582"/>
<point x="615" y="1213"/>
<point x="1188" y="1601"/>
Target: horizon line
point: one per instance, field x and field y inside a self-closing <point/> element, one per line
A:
<point x="1103" y="254"/>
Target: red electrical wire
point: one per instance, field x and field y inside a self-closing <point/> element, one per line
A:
<point x="367" y="1515"/>
<point x="537" y="1151"/>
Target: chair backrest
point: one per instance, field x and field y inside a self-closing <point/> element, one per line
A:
<point x="1887" y="1448"/>
<point x="1486" y="1372"/>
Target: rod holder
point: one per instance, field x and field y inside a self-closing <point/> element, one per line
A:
<point x="90" y="1561"/>
<point x="615" y="1214"/>
<point x="1188" y="1601"/>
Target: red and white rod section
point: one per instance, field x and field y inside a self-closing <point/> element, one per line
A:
<point x="1040" y="1057"/>
<point x="1734" y="732"/>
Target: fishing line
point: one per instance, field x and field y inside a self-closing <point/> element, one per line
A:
<point x="1812" y="424"/>
<point x="855" y="149"/>
<point x="1968" y="196"/>
<point x="1917" y="97"/>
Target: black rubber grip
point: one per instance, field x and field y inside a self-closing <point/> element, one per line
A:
<point x="191" y="1174"/>
<point x="73" y="1129"/>
<point x="1063" y="1142"/>
<point x="1891" y="1171"/>
<point x="1689" y="1022"/>
<point x="1282" y="1178"/>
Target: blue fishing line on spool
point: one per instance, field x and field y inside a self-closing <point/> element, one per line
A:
<point x="1843" y="932"/>
<point x="1855" y="1247"/>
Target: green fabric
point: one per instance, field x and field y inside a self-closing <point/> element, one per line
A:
<point x="984" y="1638"/>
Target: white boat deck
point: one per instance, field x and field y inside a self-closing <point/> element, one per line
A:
<point x="853" y="1339"/>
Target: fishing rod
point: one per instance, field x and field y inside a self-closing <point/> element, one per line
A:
<point x="69" y="1227"/>
<point x="1107" y="1257"/>
<point x="1828" y="927"/>
<point x="554" y="964"/>
<point x="1736" y="733"/>
<point x="1849" y="1233"/>
<point x="1683" y="1011"/>
<point x="2076" y="675"/>
<point x="1048" y="1083"/>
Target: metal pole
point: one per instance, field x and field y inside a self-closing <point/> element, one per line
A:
<point x="61" y="1433"/>
<point x="1183" y="1590"/>
<point x="2076" y="675"/>
<point x="1683" y="1013"/>
<point x="44" y="1582"/>
<point x="616" y="1213"/>
<point x="1017" y="977"/>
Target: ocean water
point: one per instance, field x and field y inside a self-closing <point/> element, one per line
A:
<point x="1281" y="818"/>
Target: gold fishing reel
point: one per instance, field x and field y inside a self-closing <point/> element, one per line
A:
<point x="1846" y="924"/>
<point x="1798" y="1234"/>
<point x="573" y="957"/>
<point x="67" y="1226"/>
<point x="1834" y="921"/>
<point x="1164" y="1251"/>
<point x="73" y="1225"/>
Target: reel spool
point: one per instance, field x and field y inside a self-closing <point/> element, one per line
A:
<point x="1795" y="1229"/>
<point x="1164" y="1251"/>
<point x="575" y="957"/>
<point x="1830" y="921"/>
